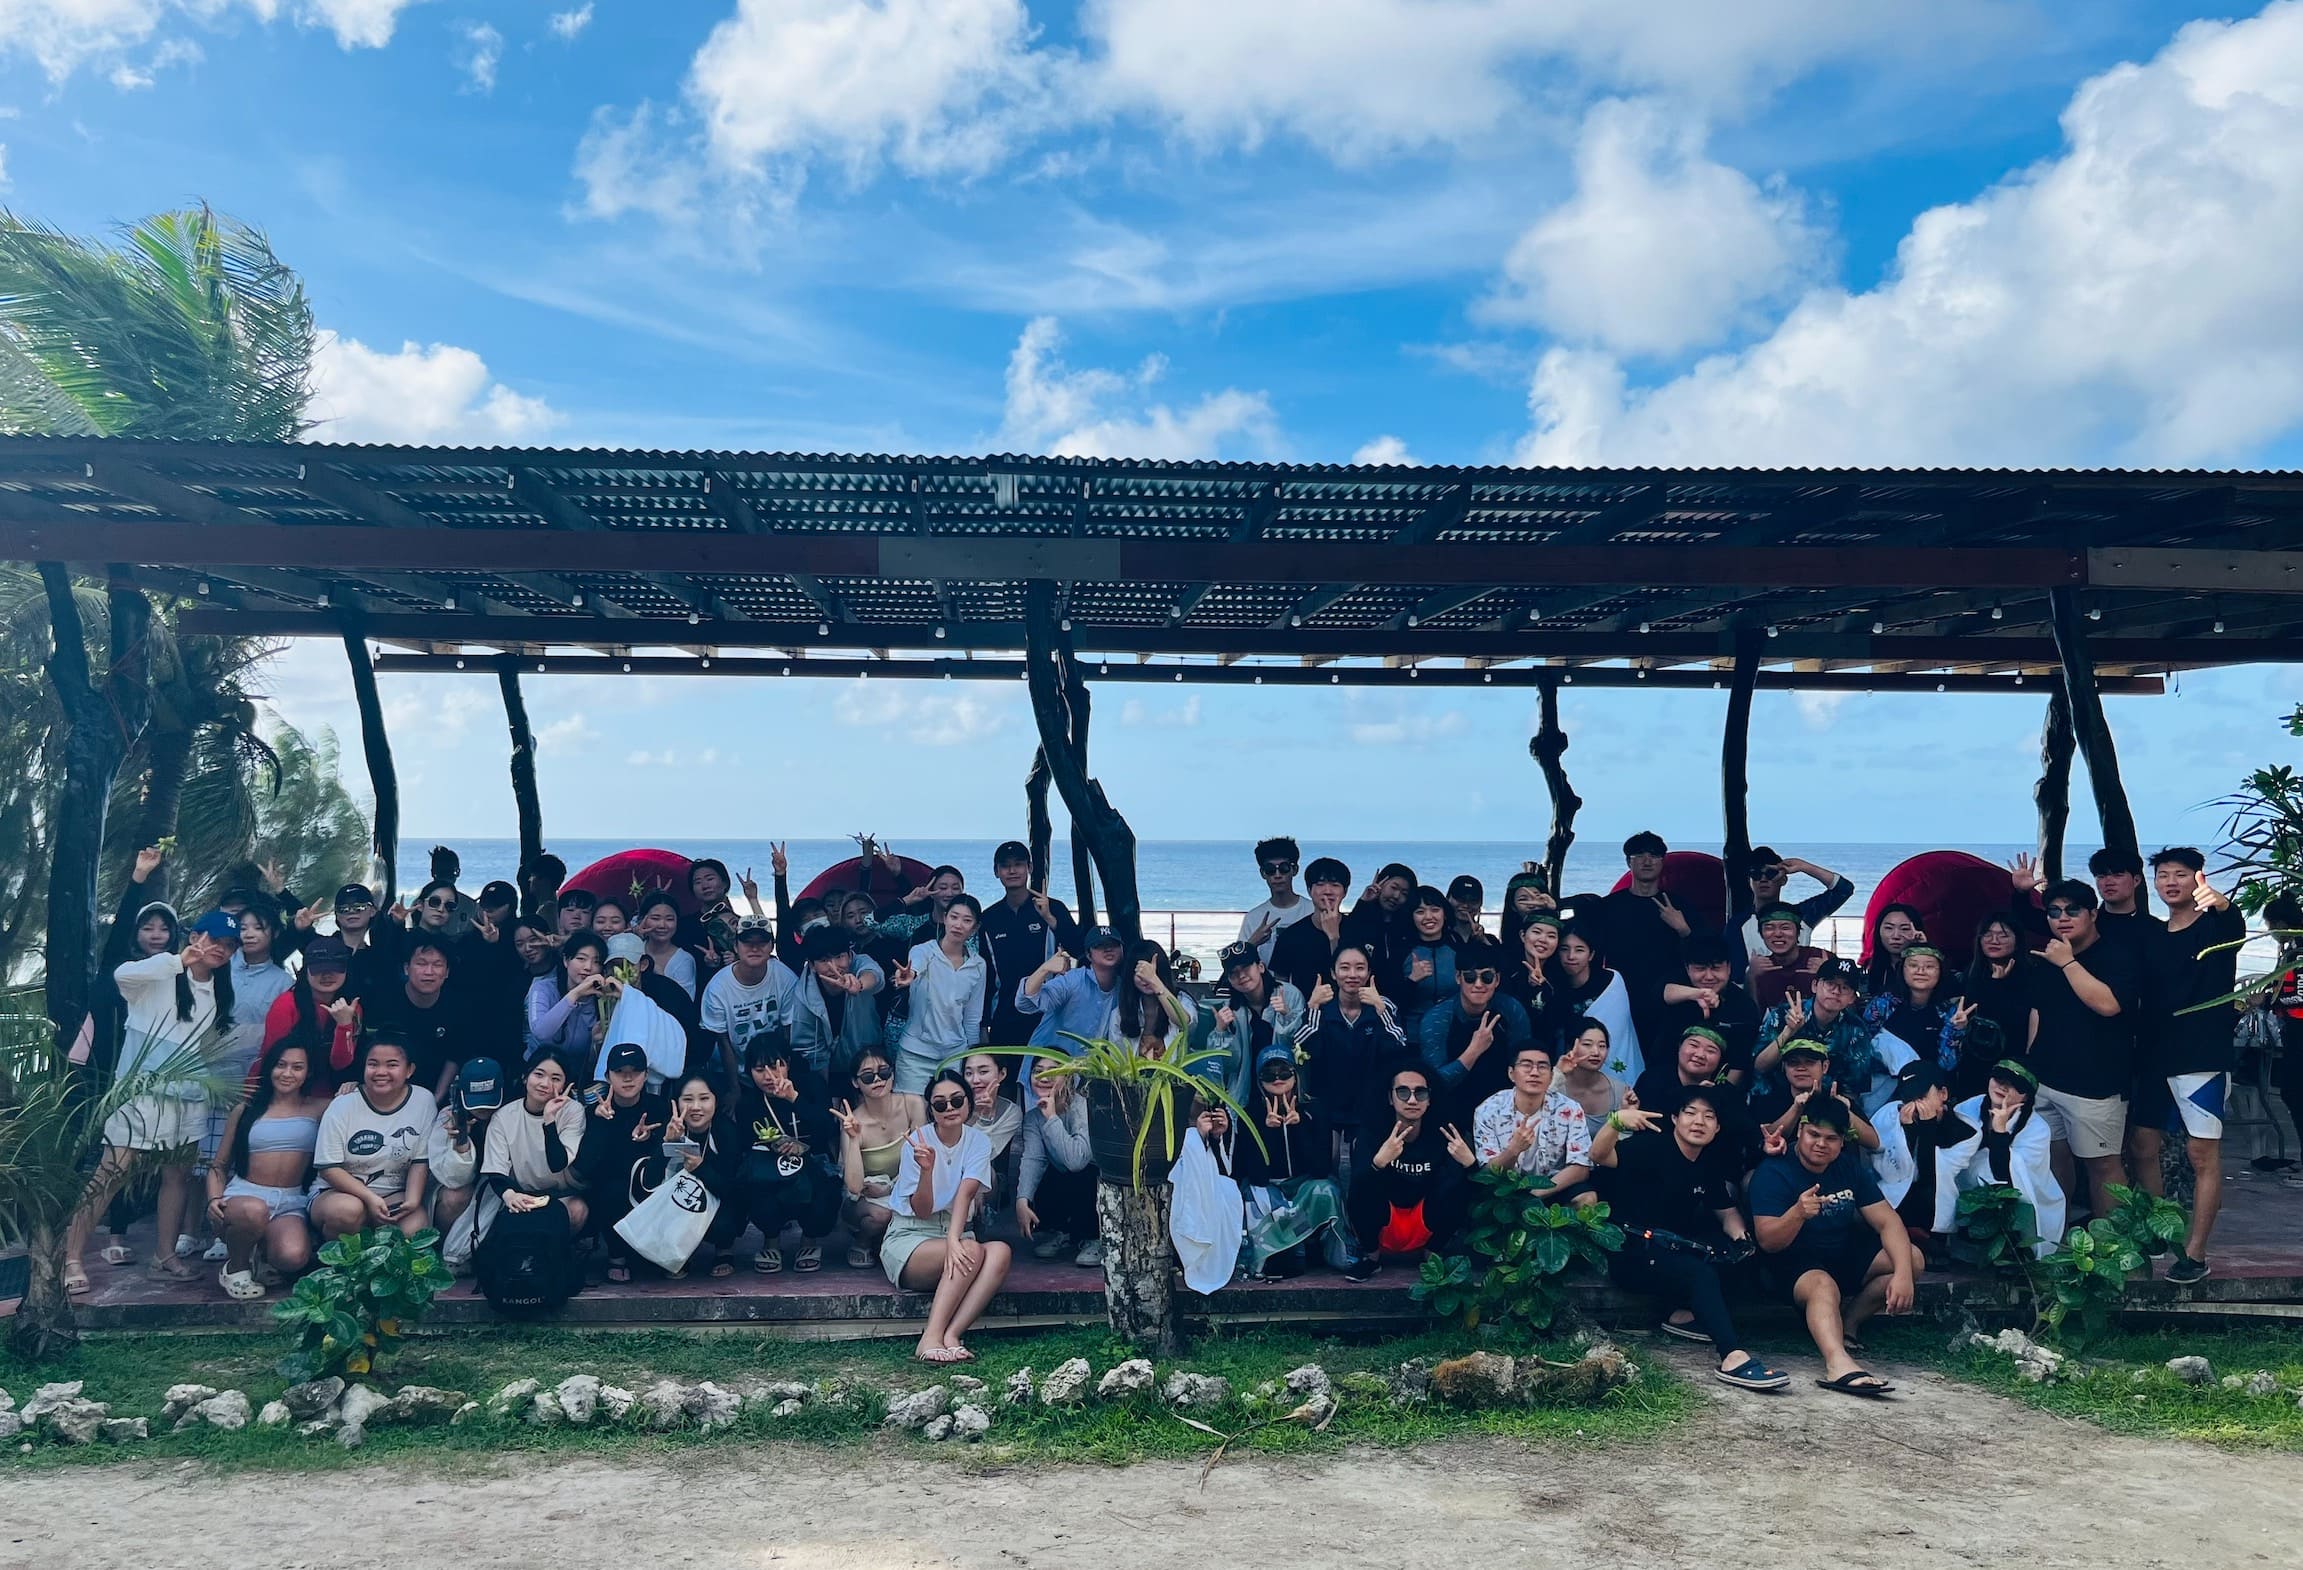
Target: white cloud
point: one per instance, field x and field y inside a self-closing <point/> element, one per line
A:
<point x="567" y="26"/>
<point x="1096" y="413"/>
<point x="672" y="758"/>
<point x="1819" y="711"/>
<point x="633" y="162"/>
<point x="1660" y="249"/>
<point x="441" y="714"/>
<point x="1134" y="713"/>
<point x="928" y="717"/>
<point x="569" y="730"/>
<point x="62" y="35"/>
<point x="932" y="86"/>
<point x="2132" y="299"/>
<point x="421" y="393"/>
<point x="480" y="49"/>
<point x="1408" y="728"/>
<point x="1384" y="449"/>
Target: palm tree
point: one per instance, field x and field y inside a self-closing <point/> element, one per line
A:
<point x="187" y="328"/>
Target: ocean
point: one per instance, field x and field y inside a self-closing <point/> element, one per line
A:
<point x="1194" y="890"/>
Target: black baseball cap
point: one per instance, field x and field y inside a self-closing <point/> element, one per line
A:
<point x="1011" y="851"/>
<point x="1237" y="954"/>
<point x="480" y="1085"/>
<point x="579" y="899"/>
<point x="355" y="894"/>
<point x="1105" y="938"/>
<point x="626" y="1055"/>
<point x="327" y="952"/>
<point x="1915" y="1079"/>
<point x="1844" y="971"/>
<point x="498" y="892"/>
<point x="1465" y="886"/>
<point x="827" y="942"/>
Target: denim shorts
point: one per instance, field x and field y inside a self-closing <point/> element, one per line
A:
<point x="282" y="1201"/>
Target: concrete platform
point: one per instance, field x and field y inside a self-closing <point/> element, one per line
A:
<point x="2258" y="1261"/>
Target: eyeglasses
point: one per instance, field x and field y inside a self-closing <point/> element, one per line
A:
<point x="1479" y="978"/>
<point x="947" y="1103"/>
<point x="1411" y="1092"/>
<point x="874" y="1076"/>
<point x="1271" y="867"/>
<point x="2066" y="910"/>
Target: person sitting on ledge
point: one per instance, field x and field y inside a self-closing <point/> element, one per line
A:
<point x="532" y="1145"/>
<point x="256" y="1188"/>
<point x="873" y="1128"/>
<point x="1408" y="1191"/>
<point x="701" y="1140"/>
<point x="945" y="1171"/>
<point x="1674" y="1197"/>
<point x="788" y="1175"/>
<point x="1056" y="1174"/>
<point x="371" y="1148"/>
<point x="1832" y="1242"/>
<point x="1535" y="1130"/>
<point x="1288" y="1176"/>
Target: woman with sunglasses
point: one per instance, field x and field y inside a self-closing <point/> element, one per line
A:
<point x="873" y="1128"/>
<point x="435" y="910"/>
<point x="1288" y="1179"/>
<point x="944" y="1172"/>
<point x="1408" y="1191"/>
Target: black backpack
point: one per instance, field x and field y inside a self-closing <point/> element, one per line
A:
<point x="526" y="1265"/>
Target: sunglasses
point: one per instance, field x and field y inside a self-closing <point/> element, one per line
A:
<point x="355" y="908"/>
<point x="2066" y="910"/>
<point x="1411" y="1093"/>
<point x="1270" y="867"/>
<point x="1767" y="874"/>
<point x="1479" y="978"/>
<point x="947" y="1103"/>
<point x="874" y="1076"/>
<point x="1279" y="1077"/>
<point x="439" y="904"/>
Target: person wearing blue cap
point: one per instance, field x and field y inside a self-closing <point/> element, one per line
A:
<point x="175" y="1006"/>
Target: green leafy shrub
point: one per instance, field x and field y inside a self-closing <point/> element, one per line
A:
<point x="1523" y="1252"/>
<point x="1995" y="1229"/>
<point x="2088" y="1275"/>
<point x="352" y="1312"/>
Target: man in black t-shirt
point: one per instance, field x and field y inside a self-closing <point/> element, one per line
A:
<point x="1408" y="1192"/>
<point x="1020" y="932"/>
<point x="1710" y="998"/>
<point x="1833" y="1243"/>
<point x="2083" y="1011"/>
<point x="2191" y="960"/>
<point x="1640" y="931"/>
<point x="425" y="1013"/>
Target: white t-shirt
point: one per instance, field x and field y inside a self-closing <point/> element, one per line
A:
<point x="972" y="1159"/>
<point x="739" y="1013"/>
<point x="680" y="970"/>
<point x="1281" y="920"/>
<point x="152" y="1038"/>
<point x="376" y="1147"/>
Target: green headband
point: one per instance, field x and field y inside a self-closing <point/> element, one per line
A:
<point x="2010" y="1069"/>
<point x="1544" y="918"/>
<point x="1924" y="948"/>
<point x="1788" y="913"/>
<point x="1704" y="1033"/>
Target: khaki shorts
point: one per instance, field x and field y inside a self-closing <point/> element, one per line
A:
<point x="2093" y="1127"/>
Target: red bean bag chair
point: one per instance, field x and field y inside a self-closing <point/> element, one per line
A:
<point x="614" y="876"/>
<point x="1697" y="883"/>
<point x="1952" y="890"/>
<point x="886" y="886"/>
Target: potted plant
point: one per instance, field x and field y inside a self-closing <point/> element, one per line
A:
<point x="1138" y="1108"/>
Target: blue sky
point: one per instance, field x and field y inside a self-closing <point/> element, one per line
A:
<point x="1789" y="231"/>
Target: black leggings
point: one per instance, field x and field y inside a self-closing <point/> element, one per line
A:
<point x="1682" y="1281"/>
<point x="1066" y="1202"/>
<point x="810" y="1199"/>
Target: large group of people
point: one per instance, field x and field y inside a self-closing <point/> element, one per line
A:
<point x="885" y="1077"/>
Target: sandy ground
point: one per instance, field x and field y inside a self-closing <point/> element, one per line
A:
<point x="1948" y="1476"/>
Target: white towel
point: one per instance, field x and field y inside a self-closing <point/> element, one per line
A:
<point x="637" y="1019"/>
<point x="1207" y="1219"/>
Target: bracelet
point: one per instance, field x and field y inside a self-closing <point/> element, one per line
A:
<point x="1615" y="1121"/>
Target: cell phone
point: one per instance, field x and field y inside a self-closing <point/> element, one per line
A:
<point x="680" y="1149"/>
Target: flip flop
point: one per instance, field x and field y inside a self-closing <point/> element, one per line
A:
<point x="76" y="1281"/>
<point x="723" y="1266"/>
<point x="170" y="1267"/>
<point x="1846" y="1385"/>
<point x="940" y="1354"/>
<point x="119" y="1254"/>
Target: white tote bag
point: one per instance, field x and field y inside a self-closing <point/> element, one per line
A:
<point x="1206" y="1218"/>
<point x="666" y="1227"/>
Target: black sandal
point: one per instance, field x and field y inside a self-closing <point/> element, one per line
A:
<point x="1848" y="1384"/>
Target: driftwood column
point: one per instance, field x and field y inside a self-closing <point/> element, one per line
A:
<point x="1735" y="765"/>
<point x="2052" y="795"/>
<point x="376" y="747"/>
<point x="102" y="721"/>
<point x="1548" y="747"/>
<point x="525" y="797"/>
<point x="2089" y="728"/>
<point x="1039" y="831"/>
<point x="1059" y="706"/>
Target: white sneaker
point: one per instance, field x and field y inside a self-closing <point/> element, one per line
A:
<point x="1051" y="1244"/>
<point x="217" y="1252"/>
<point x="1091" y="1253"/>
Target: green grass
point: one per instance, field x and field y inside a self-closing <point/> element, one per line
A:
<point x="2100" y="1386"/>
<point x="134" y="1373"/>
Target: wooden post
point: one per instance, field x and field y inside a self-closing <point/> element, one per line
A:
<point x="2089" y="728"/>
<point x="1547" y="747"/>
<point x="1055" y="683"/>
<point x="1038" y="830"/>
<point x="1735" y="764"/>
<point x="376" y="746"/>
<point x="525" y="797"/>
<point x="102" y="721"/>
<point x="2052" y="794"/>
<point x="1083" y="862"/>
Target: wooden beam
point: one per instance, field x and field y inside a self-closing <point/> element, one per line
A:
<point x="340" y="488"/>
<point x="2083" y="688"/>
<point x="2052" y="794"/>
<point x="1242" y="675"/>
